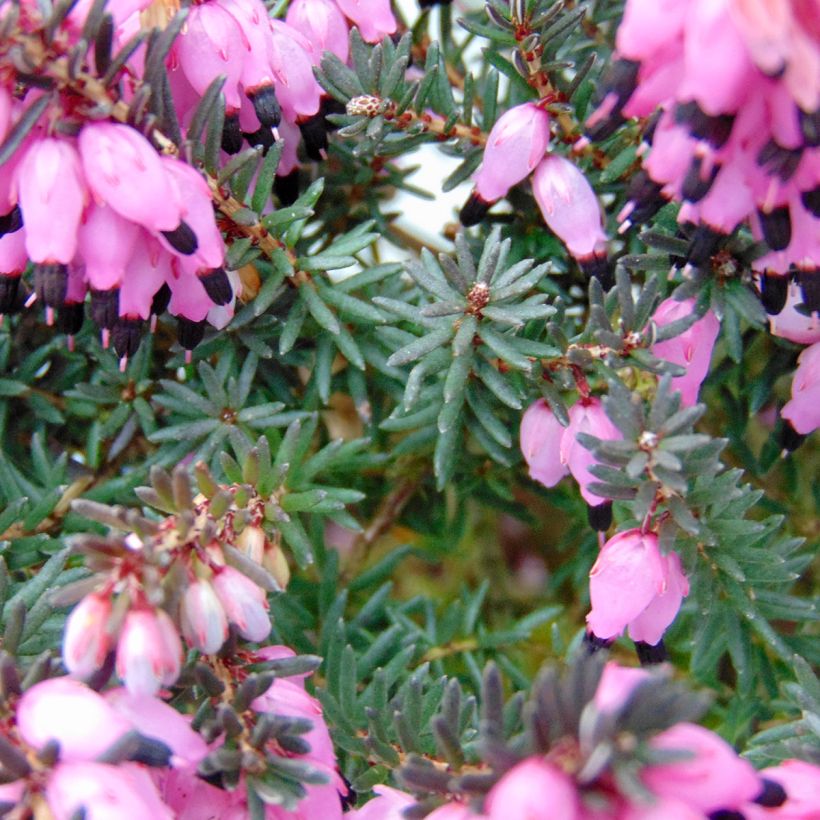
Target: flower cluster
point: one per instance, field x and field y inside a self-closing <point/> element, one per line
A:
<point x="687" y="772"/>
<point x="737" y="85"/>
<point x="516" y="147"/>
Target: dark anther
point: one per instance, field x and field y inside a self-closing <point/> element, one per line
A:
<point x="12" y="221"/>
<point x="726" y="814"/>
<point x="161" y="300"/>
<point x="51" y="284"/>
<point x="264" y="137"/>
<point x="428" y="4"/>
<point x="9" y="288"/>
<point x="774" y="291"/>
<point x="314" y="135"/>
<point x="615" y="89"/>
<point x="809" y="281"/>
<point x="70" y="318"/>
<point x="266" y="106"/>
<point x="126" y="335"/>
<point x="217" y="286"/>
<point x="777" y="227"/>
<point x="811" y="201"/>
<point x="779" y="161"/>
<point x="348" y="798"/>
<point x="592" y="643"/>
<point x="715" y="130"/>
<point x="810" y="126"/>
<point x="702" y="245"/>
<point x="105" y="307"/>
<point x="650" y="655"/>
<point x="231" y="134"/>
<point x="182" y="239"/>
<point x="286" y="187"/>
<point x="788" y="438"/>
<point x="598" y="265"/>
<point x="645" y="193"/>
<point x="649" y="132"/>
<point x="600" y="516"/>
<point x="189" y="333"/>
<point x="473" y="210"/>
<point x="151" y="752"/>
<point x="772" y="795"/>
<point x="695" y="186"/>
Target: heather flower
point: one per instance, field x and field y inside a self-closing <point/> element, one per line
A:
<point x="373" y="18"/>
<point x="801" y="783"/>
<point x="244" y="603"/>
<point x="711" y="778"/>
<point x="322" y="24"/>
<point x="87" y="639"/>
<point x="541" y="435"/>
<point x="534" y="789"/>
<point x="632" y="585"/>
<point x="793" y="325"/>
<point x="388" y="804"/>
<point x="149" y="652"/>
<point x="616" y="685"/>
<point x="803" y="410"/>
<point x="691" y="349"/>
<point x="202" y="618"/>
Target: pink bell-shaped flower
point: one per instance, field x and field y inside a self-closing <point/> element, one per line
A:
<point x="801" y="782"/>
<point x="244" y="603"/>
<point x="632" y="584"/>
<point x="569" y="206"/>
<point x="52" y="195"/>
<point x="691" y="349"/>
<point x="87" y="639"/>
<point x="515" y="145"/>
<point x="803" y="411"/>
<point x="296" y="88"/>
<point x="322" y="24"/>
<point x="713" y="778"/>
<point x="149" y="652"/>
<point x="107" y="242"/>
<point x="541" y="435"/>
<point x="586" y="416"/>
<point x="373" y="18"/>
<point x="534" y="789"/>
<point x="203" y="621"/>
<point x="67" y="711"/>
<point x="125" y="172"/>
<point x="616" y="685"/>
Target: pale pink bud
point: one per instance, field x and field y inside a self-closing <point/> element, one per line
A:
<point x="124" y="171"/>
<point x="626" y="577"/>
<point x="713" y="778"/>
<point x="102" y="791"/>
<point x="276" y="563"/>
<point x="52" y="195"/>
<point x="533" y="789"/>
<point x="803" y="411"/>
<point x="87" y="640"/>
<point x="586" y="416"/>
<point x="515" y="145"/>
<point x="67" y="711"/>
<point x="691" y="349"/>
<point x="244" y="603"/>
<point x="569" y="205"/>
<point x="541" y="435"/>
<point x="202" y="618"/>
<point x="323" y="25"/>
<point x="252" y="541"/>
<point x="374" y="18"/>
<point x="149" y="652"/>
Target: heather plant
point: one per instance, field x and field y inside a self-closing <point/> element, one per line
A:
<point x="305" y="513"/>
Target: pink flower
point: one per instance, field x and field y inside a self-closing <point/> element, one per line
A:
<point x="569" y="206"/>
<point x="296" y="88"/>
<point x="52" y="195"/>
<point x="586" y="416"/>
<point x="149" y="652"/>
<point x="691" y="349"/>
<point x="515" y="145"/>
<point x="541" y="435"/>
<point x="124" y="171"/>
<point x="533" y="789"/>
<point x="107" y="242"/>
<point x="792" y="325"/>
<point x="67" y="711"/>
<point x="374" y="18"/>
<point x="803" y="411"/>
<point x="616" y="686"/>
<point x="801" y="782"/>
<point x="324" y="26"/>
<point x="202" y="618"/>
<point x="87" y="639"/>
<point x="632" y="584"/>
<point x="244" y="603"/>
<point x="712" y="778"/>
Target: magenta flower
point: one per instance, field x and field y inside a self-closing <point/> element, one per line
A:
<point x="801" y="782"/>
<point x="616" y="685"/>
<point x="107" y="242"/>
<point x="803" y="411"/>
<point x="534" y="789"/>
<point x="203" y="620"/>
<point x="541" y="435"/>
<point x="691" y="349"/>
<point x="149" y="652"/>
<point x="586" y="416"/>
<point x="632" y="585"/>
<point x="296" y="88"/>
<point x="388" y="804"/>
<point x="515" y="145"/>
<point x="322" y="24"/>
<point x="87" y="639"/>
<point x="713" y="778"/>
<point x="244" y="603"/>
<point x="374" y="18"/>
